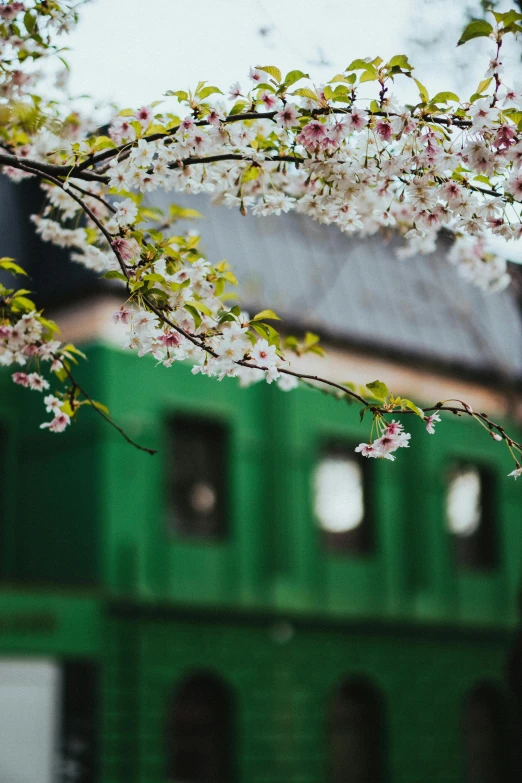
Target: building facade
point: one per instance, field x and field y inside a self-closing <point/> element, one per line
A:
<point x="256" y="603"/>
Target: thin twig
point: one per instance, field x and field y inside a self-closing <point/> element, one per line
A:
<point x="102" y="413"/>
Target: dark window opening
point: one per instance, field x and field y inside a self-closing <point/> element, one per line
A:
<point x="198" y="477"/>
<point x="80" y="694"/>
<point x="486" y="738"/>
<point x="470" y="516"/>
<point x="356" y="734"/>
<point x="200" y="732"/>
<point x="342" y="500"/>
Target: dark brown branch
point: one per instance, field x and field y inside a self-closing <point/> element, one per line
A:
<point x="82" y="171"/>
<point x="88" y="193"/>
<point x="94" y="160"/>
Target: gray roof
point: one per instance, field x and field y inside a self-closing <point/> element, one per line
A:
<point x="358" y="291"/>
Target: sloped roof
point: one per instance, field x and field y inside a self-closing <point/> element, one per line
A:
<point x="358" y="291"/>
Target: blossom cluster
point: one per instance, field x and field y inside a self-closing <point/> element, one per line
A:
<point x="27" y="341"/>
<point x="392" y="438"/>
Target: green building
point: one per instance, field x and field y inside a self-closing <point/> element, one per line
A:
<point x="255" y="603"/>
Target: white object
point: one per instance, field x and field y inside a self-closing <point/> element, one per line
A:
<point x="29" y="691"/>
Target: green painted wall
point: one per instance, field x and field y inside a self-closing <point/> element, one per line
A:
<point x="40" y="622"/>
<point x="85" y="511"/>
<point x="273" y="556"/>
<point x="282" y="693"/>
<point x="97" y="507"/>
<point x="50" y="530"/>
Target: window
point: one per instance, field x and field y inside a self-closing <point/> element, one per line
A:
<point x="78" y="757"/>
<point x="200" y="732"/>
<point x="486" y="755"/>
<point x="470" y="516"/>
<point x="356" y="734"/>
<point x="341" y="500"/>
<point x="197" y="478"/>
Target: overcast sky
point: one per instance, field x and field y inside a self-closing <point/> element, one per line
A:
<point x="132" y="51"/>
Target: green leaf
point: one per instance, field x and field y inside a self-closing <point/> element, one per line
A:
<point x="271" y="70"/>
<point x="311" y="339"/>
<point x="341" y="92"/>
<point x="195" y="315"/>
<point x="294" y="76"/>
<point x="98" y="405"/>
<point x="29" y="22"/>
<point x="206" y="91"/>
<point x="61" y="374"/>
<point x="50" y="325"/>
<point x="202" y="308"/>
<point x="114" y="275"/>
<point x="102" y="143"/>
<point x="154" y="277"/>
<point x="158" y="293"/>
<point x="358" y="65"/>
<point x="176" y="212"/>
<point x="507" y="18"/>
<point x="22" y="305"/>
<point x="512" y="28"/>
<point x="514" y="115"/>
<point x="368" y="76"/>
<point x="181" y="95"/>
<point x="306" y="92"/>
<point x="251" y="173"/>
<point x="261" y="329"/>
<point x="378" y="389"/>
<point x="264" y="315"/>
<point x="230" y="277"/>
<point x="70" y="348"/>
<point x="423" y="92"/>
<point x="66" y="408"/>
<point x="10" y="266"/>
<point x="266" y="331"/>
<point x="328" y="93"/>
<point x="238" y="108"/>
<point x="400" y="61"/>
<point x="479" y="28"/>
<point x="264" y="86"/>
<point x="484" y="84"/>
<point x="150" y="213"/>
<point x="445" y="97"/>
<point x="412" y="407"/>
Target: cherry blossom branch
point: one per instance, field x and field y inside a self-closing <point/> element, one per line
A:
<point x="75" y="383"/>
<point x="200" y="343"/>
<point x="95" y="160"/>
<point x="96" y="196"/>
<point x="346" y="166"/>
<point x="82" y="170"/>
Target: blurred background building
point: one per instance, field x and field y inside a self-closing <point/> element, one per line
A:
<point x="256" y="603"/>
